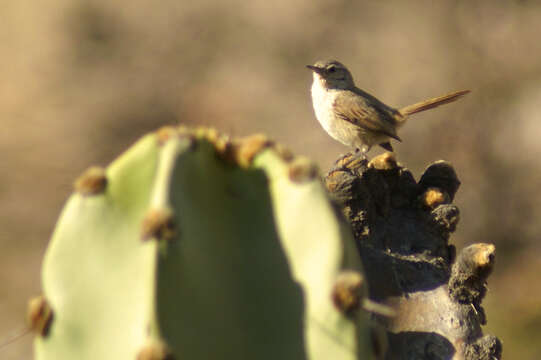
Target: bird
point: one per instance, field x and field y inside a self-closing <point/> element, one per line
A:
<point x="354" y="117"/>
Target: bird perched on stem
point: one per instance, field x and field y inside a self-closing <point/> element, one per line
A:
<point x="356" y="118"/>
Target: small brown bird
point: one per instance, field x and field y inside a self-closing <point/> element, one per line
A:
<point x="356" y="118"/>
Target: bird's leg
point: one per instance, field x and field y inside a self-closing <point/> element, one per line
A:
<point x="360" y="153"/>
<point x="364" y="149"/>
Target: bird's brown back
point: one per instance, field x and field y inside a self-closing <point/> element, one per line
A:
<point x="366" y="111"/>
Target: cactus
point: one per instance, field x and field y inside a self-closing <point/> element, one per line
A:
<point x="192" y="246"/>
<point x="402" y="228"/>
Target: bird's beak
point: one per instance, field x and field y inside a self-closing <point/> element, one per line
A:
<point x="315" y="68"/>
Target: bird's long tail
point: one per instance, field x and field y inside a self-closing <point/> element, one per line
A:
<point x="432" y="103"/>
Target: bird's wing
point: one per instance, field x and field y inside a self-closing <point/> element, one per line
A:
<point x="365" y="113"/>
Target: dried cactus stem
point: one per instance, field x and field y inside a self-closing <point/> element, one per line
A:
<point x="467" y="284"/>
<point x="402" y="229"/>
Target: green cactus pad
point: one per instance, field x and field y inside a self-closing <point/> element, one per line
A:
<point x="189" y="255"/>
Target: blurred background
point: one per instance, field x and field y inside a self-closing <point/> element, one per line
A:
<point x="82" y="80"/>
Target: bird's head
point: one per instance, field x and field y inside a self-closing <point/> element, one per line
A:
<point x="332" y="74"/>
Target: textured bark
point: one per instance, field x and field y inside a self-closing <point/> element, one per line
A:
<point x="402" y="229"/>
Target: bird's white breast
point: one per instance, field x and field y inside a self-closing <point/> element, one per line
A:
<point x="322" y="100"/>
<point x="343" y="131"/>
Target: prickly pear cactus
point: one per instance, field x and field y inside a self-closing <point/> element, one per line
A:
<point x="191" y="246"/>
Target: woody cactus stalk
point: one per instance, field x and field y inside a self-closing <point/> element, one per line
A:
<point x="402" y="229"/>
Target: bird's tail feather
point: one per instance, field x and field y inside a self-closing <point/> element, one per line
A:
<point x="432" y="103"/>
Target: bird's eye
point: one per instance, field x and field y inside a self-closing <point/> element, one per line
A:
<point x="331" y="69"/>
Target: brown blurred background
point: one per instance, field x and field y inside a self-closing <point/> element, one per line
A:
<point x="82" y="80"/>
